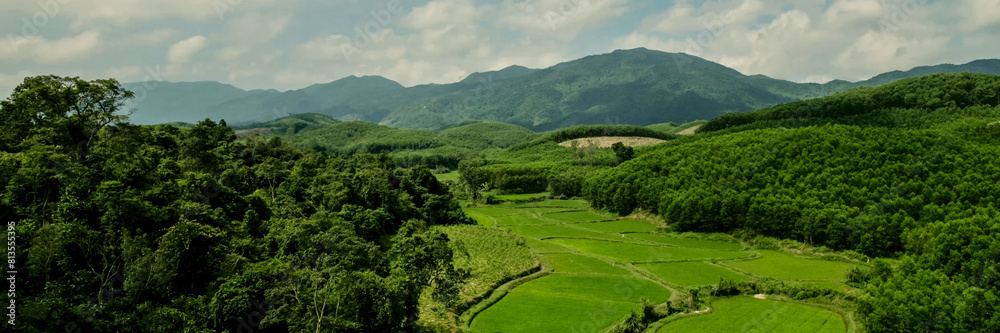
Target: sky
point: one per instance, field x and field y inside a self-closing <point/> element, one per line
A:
<point x="291" y="44"/>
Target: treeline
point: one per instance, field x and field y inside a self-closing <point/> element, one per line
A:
<point x="836" y="186"/>
<point x="409" y="148"/>
<point x="950" y="283"/>
<point x="919" y="102"/>
<point x="124" y="228"/>
<point x="545" y="167"/>
<point x="541" y="165"/>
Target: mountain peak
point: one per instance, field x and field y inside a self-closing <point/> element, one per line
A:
<point x="493" y="76"/>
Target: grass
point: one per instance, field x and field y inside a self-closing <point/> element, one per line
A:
<point x="691" y="273"/>
<point x="522" y="312"/>
<point x="549" y="231"/>
<point x="689" y="243"/>
<point x="538" y="246"/>
<point x="622" y="226"/>
<point x="600" y="288"/>
<point x="481" y="219"/>
<point x="492" y="211"/>
<point x="631" y="252"/>
<point x="522" y="220"/>
<point x="521" y="197"/>
<point x="443" y="177"/>
<point x="575" y="263"/>
<point x="490" y="256"/>
<point x="746" y="314"/>
<point x="588" y="291"/>
<point x="542" y="210"/>
<point x="567" y="303"/>
<point x="575" y="217"/>
<point x="786" y="266"/>
<point x="580" y="204"/>
<point x="828" y="285"/>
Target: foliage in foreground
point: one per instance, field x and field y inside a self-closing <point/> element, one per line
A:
<point x="160" y="229"/>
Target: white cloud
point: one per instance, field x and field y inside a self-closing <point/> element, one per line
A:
<point x="51" y="52"/>
<point x="874" y="52"/>
<point x="182" y="51"/>
<point x="979" y="14"/>
<point x="295" y="43"/>
<point x="562" y="19"/>
<point x="712" y="15"/>
<point x="9" y="82"/>
<point x="812" y="40"/>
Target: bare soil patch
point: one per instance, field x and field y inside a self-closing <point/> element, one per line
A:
<point x="608" y="141"/>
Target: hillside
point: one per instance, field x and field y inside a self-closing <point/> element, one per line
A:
<point x="636" y="87"/>
<point x="921" y="102"/>
<point x="287" y="126"/>
<point x="164" y="102"/>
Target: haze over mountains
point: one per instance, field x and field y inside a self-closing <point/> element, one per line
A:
<point x="636" y="87"/>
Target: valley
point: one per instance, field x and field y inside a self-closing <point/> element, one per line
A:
<point x="867" y="210"/>
<point x="595" y="269"/>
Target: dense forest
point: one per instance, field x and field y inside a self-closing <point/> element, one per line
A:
<point x="907" y="170"/>
<point x="125" y="228"/>
<point x="922" y="102"/>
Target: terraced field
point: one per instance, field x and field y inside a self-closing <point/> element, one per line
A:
<point x="785" y="266"/>
<point x="633" y="252"/>
<point x="692" y="273"/>
<point x="747" y="314"/>
<point x="597" y="268"/>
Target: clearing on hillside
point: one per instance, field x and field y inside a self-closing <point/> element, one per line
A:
<point x="746" y="314"/>
<point x="689" y="131"/>
<point x="568" y="303"/>
<point x="608" y="141"/>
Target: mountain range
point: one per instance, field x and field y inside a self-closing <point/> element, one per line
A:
<point x="635" y="87"/>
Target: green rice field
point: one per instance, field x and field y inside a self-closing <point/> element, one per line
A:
<point x="596" y="269"/>
<point x="567" y="303"/>
<point x="632" y="252"/>
<point x="580" y="264"/>
<point x="747" y="314"/>
<point x="784" y="266"/>
<point x="623" y="226"/>
<point x="692" y="273"/>
<point x="690" y="243"/>
<point x="576" y="217"/>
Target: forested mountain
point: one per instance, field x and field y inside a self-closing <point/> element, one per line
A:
<point x="163" y="102"/>
<point x="921" y="102"/>
<point x="636" y="87"/>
